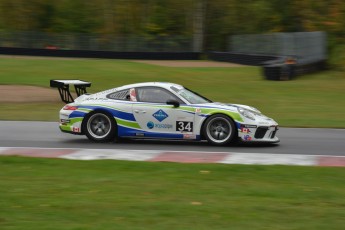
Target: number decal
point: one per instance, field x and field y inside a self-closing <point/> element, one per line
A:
<point x="184" y="126"/>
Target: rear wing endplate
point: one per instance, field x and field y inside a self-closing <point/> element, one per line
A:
<point x="63" y="87"/>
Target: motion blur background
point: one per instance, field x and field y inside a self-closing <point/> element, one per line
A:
<point x="179" y="26"/>
<point x="60" y="194"/>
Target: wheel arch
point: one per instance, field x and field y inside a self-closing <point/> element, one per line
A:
<point x="202" y="135"/>
<point x="101" y="110"/>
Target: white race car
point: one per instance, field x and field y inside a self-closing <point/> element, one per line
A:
<point x="159" y="110"/>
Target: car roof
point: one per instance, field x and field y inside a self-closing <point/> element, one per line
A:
<point x="165" y="85"/>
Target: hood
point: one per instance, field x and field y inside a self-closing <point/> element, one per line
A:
<point x="247" y="107"/>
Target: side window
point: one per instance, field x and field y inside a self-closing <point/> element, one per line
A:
<point x="155" y="95"/>
<point x="119" y="95"/>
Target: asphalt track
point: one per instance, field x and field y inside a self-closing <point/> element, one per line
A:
<point x="299" y="141"/>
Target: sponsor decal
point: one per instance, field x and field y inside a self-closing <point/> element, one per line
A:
<point x="248" y="126"/>
<point x="150" y="125"/>
<point x="160" y="115"/>
<point x="184" y="126"/>
<point x="245" y="130"/>
<point x="139" y="134"/>
<point x="163" y="126"/>
<point x="96" y="99"/>
<point x="65" y="121"/>
<point x="198" y="110"/>
<point x="76" y="129"/>
<point x="189" y="136"/>
<point x="247" y="138"/>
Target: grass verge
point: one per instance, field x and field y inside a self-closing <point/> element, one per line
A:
<point x="309" y="101"/>
<point x="63" y="194"/>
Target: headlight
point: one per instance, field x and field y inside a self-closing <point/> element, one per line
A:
<point x="255" y="110"/>
<point x="246" y="113"/>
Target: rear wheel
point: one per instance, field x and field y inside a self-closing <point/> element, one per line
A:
<point x="219" y="130"/>
<point x="100" y="127"/>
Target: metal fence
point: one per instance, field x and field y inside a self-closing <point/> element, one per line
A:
<point x="95" y="42"/>
<point x="309" y="47"/>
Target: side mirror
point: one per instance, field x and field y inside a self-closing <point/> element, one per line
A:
<point x="174" y="103"/>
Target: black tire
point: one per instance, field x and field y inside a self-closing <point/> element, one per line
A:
<point x="99" y="127"/>
<point x="219" y="130"/>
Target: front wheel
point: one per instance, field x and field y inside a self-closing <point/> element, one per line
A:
<point x="100" y="127"/>
<point x="219" y="130"/>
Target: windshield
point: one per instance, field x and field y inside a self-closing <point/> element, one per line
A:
<point x="191" y="96"/>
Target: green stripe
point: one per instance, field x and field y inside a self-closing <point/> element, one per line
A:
<point x="84" y="110"/>
<point x="75" y="120"/>
<point x="130" y="124"/>
<point x="188" y="109"/>
<point x="181" y="108"/>
<point x="65" y="128"/>
<point x="233" y="115"/>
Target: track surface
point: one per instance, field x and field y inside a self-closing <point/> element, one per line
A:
<point x="293" y="141"/>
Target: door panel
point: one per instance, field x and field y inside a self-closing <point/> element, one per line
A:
<point x="165" y="121"/>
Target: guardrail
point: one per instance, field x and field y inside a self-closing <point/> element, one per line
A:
<point x="240" y="58"/>
<point x="101" y="54"/>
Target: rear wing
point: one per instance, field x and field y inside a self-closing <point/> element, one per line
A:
<point x="63" y="87"/>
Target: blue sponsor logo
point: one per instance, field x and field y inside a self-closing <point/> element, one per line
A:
<point x="160" y="115"/>
<point x="150" y="125"/>
<point x="163" y="126"/>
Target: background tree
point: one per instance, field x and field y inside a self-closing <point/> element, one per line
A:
<point x="168" y="18"/>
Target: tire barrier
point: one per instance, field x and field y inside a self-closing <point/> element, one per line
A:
<point x="278" y="68"/>
<point x="283" y="69"/>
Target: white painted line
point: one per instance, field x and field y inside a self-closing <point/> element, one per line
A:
<point x="3" y="149"/>
<point x="146" y="155"/>
<point x="269" y="159"/>
<point x="112" y="154"/>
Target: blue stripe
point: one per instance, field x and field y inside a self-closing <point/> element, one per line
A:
<point x="113" y="112"/>
<point x="128" y="132"/>
<point x="77" y="114"/>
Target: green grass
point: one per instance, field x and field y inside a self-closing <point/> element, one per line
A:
<point x="31" y="111"/>
<point x="314" y="100"/>
<point x="63" y="194"/>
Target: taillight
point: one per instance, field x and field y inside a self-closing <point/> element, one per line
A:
<point x="70" y="107"/>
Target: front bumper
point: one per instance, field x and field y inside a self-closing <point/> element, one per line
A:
<point x="255" y="133"/>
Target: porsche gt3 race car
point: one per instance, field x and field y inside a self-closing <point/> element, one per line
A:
<point x="159" y="110"/>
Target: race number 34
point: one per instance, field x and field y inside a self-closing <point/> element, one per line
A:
<point x="184" y="126"/>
